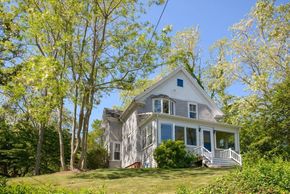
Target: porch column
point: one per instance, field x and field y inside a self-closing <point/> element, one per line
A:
<point x="237" y="141"/>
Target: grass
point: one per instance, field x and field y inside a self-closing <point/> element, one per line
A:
<point x="128" y="180"/>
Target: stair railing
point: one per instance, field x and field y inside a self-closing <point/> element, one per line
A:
<point x="202" y="151"/>
<point x="235" y="156"/>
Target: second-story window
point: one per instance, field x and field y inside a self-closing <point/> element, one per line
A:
<point x="192" y="110"/>
<point x="163" y="105"/>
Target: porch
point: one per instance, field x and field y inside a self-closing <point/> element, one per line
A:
<point x="217" y="143"/>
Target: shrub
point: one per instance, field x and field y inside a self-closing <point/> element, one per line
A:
<point x="173" y="154"/>
<point x="46" y="189"/>
<point x="97" y="157"/>
<point x="255" y="177"/>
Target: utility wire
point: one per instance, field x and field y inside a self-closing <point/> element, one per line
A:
<point x="156" y="26"/>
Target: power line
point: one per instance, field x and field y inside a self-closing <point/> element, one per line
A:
<point x="156" y="26"/>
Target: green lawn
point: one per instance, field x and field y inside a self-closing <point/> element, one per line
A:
<point x="128" y="180"/>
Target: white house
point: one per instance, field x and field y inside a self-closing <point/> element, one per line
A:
<point x="174" y="108"/>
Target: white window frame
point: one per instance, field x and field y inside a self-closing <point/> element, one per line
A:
<point x="114" y="143"/>
<point x="169" y="106"/>
<point x="188" y="110"/>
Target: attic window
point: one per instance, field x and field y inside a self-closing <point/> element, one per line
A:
<point x="180" y="82"/>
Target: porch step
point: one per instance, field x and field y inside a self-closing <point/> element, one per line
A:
<point x="221" y="162"/>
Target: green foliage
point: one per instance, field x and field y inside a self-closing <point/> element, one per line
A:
<point x="262" y="176"/>
<point x="97" y="155"/>
<point x="173" y="154"/>
<point x="45" y="189"/>
<point x="18" y="147"/>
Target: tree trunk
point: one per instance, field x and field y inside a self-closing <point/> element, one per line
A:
<point x="61" y="145"/>
<point x="38" y="152"/>
<point x="80" y="124"/>
<point x="72" y="148"/>
<point x="83" y="159"/>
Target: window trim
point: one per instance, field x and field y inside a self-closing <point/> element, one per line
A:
<point x="169" y="105"/>
<point x="116" y="142"/>
<point x="188" y="109"/>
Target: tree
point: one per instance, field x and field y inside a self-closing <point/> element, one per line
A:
<point x="218" y="76"/>
<point x="98" y="156"/>
<point x="185" y="52"/>
<point x="257" y="58"/>
<point x="109" y="50"/>
<point x="91" y="46"/>
<point x="10" y="44"/>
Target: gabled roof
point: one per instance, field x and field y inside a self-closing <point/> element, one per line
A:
<point x="193" y="81"/>
<point x="166" y="78"/>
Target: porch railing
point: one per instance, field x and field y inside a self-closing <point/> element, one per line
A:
<point x="202" y="151"/>
<point x="229" y="153"/>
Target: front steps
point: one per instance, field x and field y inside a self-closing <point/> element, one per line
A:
<point x="220" y="163"/>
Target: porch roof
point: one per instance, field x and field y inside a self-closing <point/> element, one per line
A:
<point x="190" y="120"/>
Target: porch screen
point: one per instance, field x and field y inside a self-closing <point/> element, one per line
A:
<point x="225" y="140"/>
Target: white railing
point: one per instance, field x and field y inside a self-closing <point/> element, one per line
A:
<point x="235" y="156"/>
<point x="202" y="151"/>
<point x="229" y="153"/>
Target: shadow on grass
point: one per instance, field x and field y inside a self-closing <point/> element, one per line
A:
<point x="165" y="174"/>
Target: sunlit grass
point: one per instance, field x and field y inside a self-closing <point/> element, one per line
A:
<point x="128" y="180"/>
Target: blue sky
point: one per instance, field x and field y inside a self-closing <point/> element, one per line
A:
<point x="213" y="17"/>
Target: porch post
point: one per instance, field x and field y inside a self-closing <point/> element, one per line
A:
<point x="237" y="141"/>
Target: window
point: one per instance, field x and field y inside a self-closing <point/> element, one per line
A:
<point x="179" y="133"/>
<point x="143" y="134"/>
<point x="225" y="140"/>
<point x="172" y="108"/>
<point x="157" y="105"/>
<point x="146" y="133"/>
<point x="191" y="136"/>
<point x="180" y="82"/>
<point x="149" y="134"/>
<point x="117" y="151"/>
<point x="192" y="111"/>
<point x="166" y="132"/>
<point x="163" y="106"/>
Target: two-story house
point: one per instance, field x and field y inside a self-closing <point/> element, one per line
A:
<point x="176" y="108"/>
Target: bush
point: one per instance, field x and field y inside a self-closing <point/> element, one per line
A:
<point x="97" y="157"/>
<point x="173" y="154"/>
<point x="46" y="189"/>
<point x="255" y="177"/>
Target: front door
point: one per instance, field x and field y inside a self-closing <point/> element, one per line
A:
<point x="206" y="134"/>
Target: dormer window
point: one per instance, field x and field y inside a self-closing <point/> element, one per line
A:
<point x="192" y="110"/>
<point x="163" y="105"/>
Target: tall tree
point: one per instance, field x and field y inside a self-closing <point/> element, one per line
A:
<point x="186" y="52"/>
<point x="110" y="49"/>
<point x="258" y="59"/>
